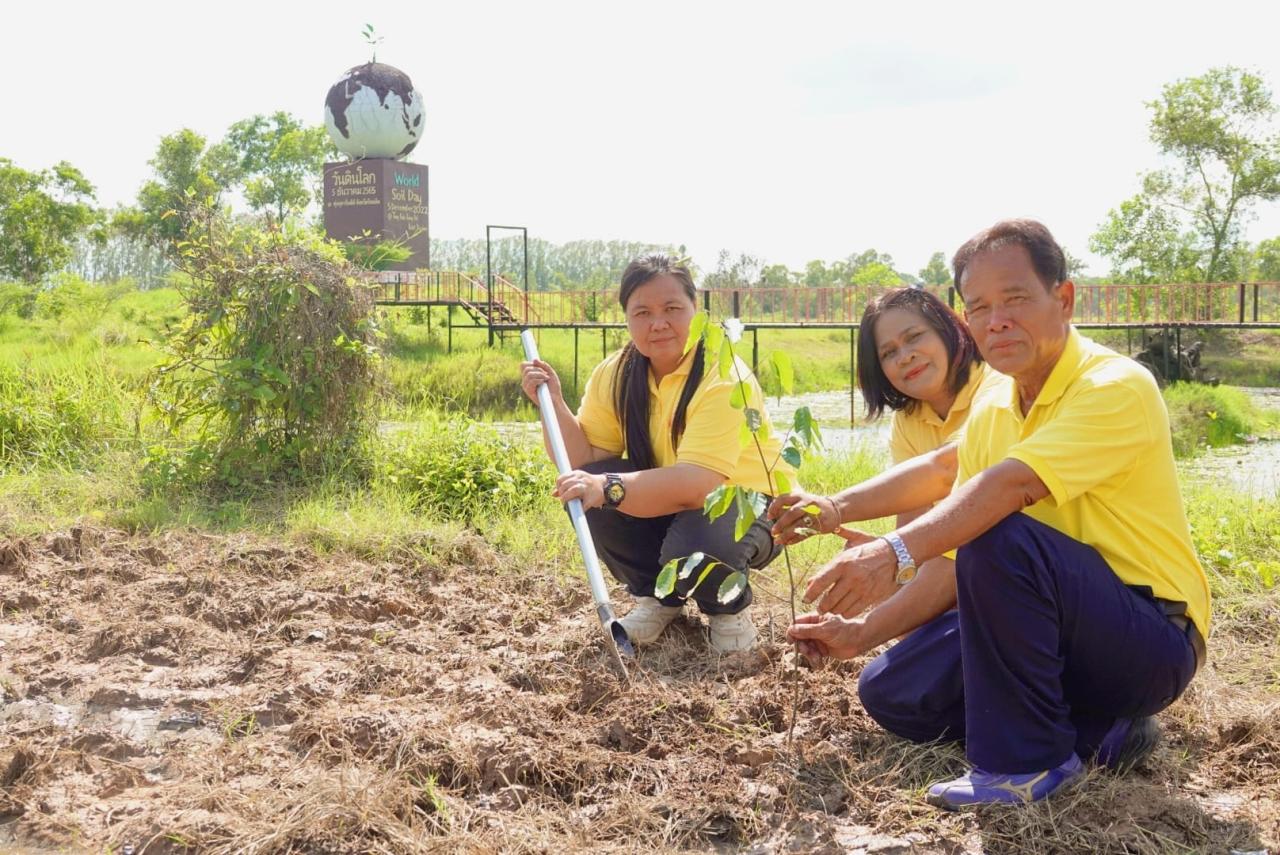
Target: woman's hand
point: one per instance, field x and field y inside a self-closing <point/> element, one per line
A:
<point x="801" y="515"/>
<point x="581" y="485"/>
<point x="822" y="635"/>
<point x="535" y="373"/>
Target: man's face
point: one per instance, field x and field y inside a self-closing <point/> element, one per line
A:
<point x="1021" y="327"/>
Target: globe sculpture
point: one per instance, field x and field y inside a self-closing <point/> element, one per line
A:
<point x="374" y="111"/>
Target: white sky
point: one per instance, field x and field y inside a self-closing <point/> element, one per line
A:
<point x="788" y="129"/>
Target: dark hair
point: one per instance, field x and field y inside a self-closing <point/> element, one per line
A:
<point x="1047" y="257"/>
<point x="631" y="376"/>
<point x="962" y="350"/>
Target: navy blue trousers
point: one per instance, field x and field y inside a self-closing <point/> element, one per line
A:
<point x="1046" y="649"/>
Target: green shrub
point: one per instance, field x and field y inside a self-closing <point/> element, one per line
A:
<point x="17" y="299"/>
<point x="458" y="469"/>
<point x="1212" y="416"/>
<point x="275" y="364"/>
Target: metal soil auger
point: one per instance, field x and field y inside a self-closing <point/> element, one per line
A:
<point x="617" y="643"/>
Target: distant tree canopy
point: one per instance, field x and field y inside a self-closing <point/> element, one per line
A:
<point x="279" y="160"/>
<point x="580" y="264"/>
<point x="937" y="271"/>
<point x="188" y="172"/>
<point x="41" y="216"/>
<point x="1219" y="133"/>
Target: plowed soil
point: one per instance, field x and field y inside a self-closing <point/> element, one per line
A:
<point x="190" y="692"/>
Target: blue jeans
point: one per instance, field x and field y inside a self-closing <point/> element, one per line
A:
<point x="1045" y="650"/>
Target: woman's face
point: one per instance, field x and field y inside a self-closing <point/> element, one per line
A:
<point x="912" y="355"/>
<point x="658" y="317"/>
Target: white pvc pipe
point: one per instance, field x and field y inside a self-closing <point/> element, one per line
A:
<point x="598" y="590"/>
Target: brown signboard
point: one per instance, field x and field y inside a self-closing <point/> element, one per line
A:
<point x="385" y="198"/>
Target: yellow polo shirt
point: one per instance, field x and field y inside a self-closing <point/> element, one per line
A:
<point x="1098" y="437"/>
<point x="920" y="431"/>
<point x="710" y="438"/>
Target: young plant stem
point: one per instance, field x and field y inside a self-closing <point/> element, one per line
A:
<point x="786" y="554"/>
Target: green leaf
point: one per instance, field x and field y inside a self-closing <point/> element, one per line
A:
<point x="315" y="292"/>
<point x="715" y="340"/>
<point x="762" y="433"/>
<point x="702" y="577"/>
<point x="744" y="435"/>
<point x="722" y="503"/>
<point x="726" y="358"/>
<point x="691" y="563"/>
<point x="791" y="454"/>
<point x="812" y="509"/>
<point x="666" y="582"/>
<point x="732" y="587"/>
<point x="784" y="369"/>
<point x="750" y="505"/>
<point x="736" y="399"/>
<point x="696" y="328"/>
<point x="806" y="428"/>
<point x="781" y="482"/>
<point x="714" y="498"/>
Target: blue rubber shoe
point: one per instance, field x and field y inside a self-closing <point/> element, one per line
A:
<point x="1128" y="743"/>
<point x="985" y="788"/>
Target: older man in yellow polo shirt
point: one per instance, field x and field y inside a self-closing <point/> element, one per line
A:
<point x="1082" y="609"/>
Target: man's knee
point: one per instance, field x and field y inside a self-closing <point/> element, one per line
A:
<point x="876" y="690"/>
<point x="997" y="548"/>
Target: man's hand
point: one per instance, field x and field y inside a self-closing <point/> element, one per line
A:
<point x="801" y="515"/>
<point x="580" y="485"/>
<point x="822" y="635"/>
<point x="855" y="580"/>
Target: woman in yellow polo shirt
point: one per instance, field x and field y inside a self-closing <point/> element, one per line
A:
<point x="917" y="359"/>
<point x="654" y="435"/>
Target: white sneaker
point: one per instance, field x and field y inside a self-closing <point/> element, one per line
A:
<point x="730" y="633"/>
<point x="647" y="619"/>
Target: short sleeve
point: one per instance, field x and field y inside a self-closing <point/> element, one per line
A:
<point x="900" y="447"/>
<point x="596" y="415"/>
<point x="1093" y="437"/>
<point x="710" y="438"/>
<point x="968" y="462"/>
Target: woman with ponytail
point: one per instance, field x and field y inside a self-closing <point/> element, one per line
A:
<point x="654" y="435"/>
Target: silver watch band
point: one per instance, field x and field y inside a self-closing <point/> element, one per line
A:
<point x="900" y="550"/>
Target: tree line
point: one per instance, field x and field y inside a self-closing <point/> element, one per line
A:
<point x="1216" y="138"/>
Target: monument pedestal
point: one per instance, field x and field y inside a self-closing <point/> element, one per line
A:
<point x="385" y="198"/>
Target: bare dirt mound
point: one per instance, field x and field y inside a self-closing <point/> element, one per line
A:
<point x="191" y="692"/>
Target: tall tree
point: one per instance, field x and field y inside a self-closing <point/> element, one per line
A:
<point x="1266" y="260"/>
<point x="41" y="216"/>
<point x="937" y="271"/>
<point x="1218" y="131"/>
<point x="279" y="160"/>
<point x="187" y="171"/>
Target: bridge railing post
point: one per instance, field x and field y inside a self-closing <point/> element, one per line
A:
<point x="1241" y="302"/>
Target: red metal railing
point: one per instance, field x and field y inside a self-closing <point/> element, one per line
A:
<point x="1152" y="305"/>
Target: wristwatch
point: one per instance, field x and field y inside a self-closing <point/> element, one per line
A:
<point x="614" y="491"/>
<point x="906" y="564"/>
